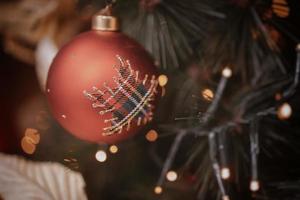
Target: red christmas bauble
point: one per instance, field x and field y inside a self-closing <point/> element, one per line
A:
<point x="101" y="86"/>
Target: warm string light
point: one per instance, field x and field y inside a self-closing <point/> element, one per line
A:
<point x="227" y="72"/>
<point x="158" y="190"/>
<point x="207" y="94"/>
<point x="33" y="135"/>
<point x="225" y="197"/>
<point x="101" y="156"/>
<point x="284" y="111"/>
<point x="171" y="176"/>
<point x="27" y="146"/>
<point x="280" y="8"/>
<point x="225" y="173"/>
<point x="30" y="140"/>
<point x="162" y="81"/>
<point x="113" y="149"/>
<point x="151" y="136"/>
<point x="254" y="185"/>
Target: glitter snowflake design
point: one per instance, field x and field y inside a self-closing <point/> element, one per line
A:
<point x="130" y="101"/>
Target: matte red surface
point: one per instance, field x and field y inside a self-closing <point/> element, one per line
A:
<point x="88" y="61"/>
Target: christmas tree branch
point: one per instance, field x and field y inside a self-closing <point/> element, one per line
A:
<point x="222" y="147"/>
<point x="214" y="160"/>
<point x="171" y="156"/>
<point x="215" y="103"/>
<point x="292" y="89"/>
<point x="272" y="46"/>
<point x="254" y="147"/>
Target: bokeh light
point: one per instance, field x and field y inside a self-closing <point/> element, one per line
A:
<point x="254" y="185"/>
<point x="113" y="149"/>
<point x="162" y="80"/>
<point x="27" y="145"/>
<point x="101" y="156"/>
<point x="152" y="136"/>
<point x="227" y="72"/>
<point x="32" y="135"/>
<point x="284" y="111"/>
<point x="158" y="190"/>
<point x="225" y="197"/>
<point x="207" y="94"/>
<point x="225" y="173"/>
<point x="171" y="176"/>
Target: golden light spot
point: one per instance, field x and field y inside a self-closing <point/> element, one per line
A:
<point x="152" y="136"/>
<point x="101" y="156"/>
<point x="162" y="80"/>
<point x="32" y="135"/>
<point x="225" y="173"/>
<point x="158" y="190"/>
<point x="113" y="149"/>
<point x="227" y="72"/>
<point x="284" y="111"/>
<point x="254" y="185"/>
<point x="27" y="146"/>
<point x="281" y="8"/>
<point x="207" y="94"/>
<point x="225" y="197"/>
<point x="171" y="176"/>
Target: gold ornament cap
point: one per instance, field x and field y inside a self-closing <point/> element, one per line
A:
<point x="104" y="21"/>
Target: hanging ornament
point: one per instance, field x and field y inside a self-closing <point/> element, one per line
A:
<point x="102" y="85"/>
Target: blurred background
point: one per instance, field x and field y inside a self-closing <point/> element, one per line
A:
<point x="32" y="31"/>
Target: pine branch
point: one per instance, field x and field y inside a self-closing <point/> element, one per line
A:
<point x="292" y="89"/>
<point x="215" y="164"/>
<point x="171" y="156"/>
